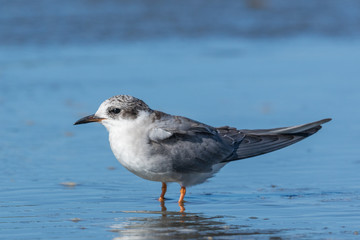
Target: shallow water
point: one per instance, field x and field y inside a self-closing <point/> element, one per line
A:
<point x="61" y="181"/>
<point x="308" y="190"/>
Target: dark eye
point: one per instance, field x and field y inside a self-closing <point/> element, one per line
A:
<point x="115" y="110"/>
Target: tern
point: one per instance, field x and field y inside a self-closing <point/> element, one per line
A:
<point x="161" y="147"/>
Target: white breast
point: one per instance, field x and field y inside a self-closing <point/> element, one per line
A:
<point x="129" y="141"/>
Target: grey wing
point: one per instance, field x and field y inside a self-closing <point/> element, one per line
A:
<point x="191" y="145"/>
<point x="256" y="142"/>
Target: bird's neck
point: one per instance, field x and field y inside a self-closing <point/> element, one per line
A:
<point x="129" y="129"/>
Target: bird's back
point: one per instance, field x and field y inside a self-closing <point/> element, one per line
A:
<point x="192" y="146"/>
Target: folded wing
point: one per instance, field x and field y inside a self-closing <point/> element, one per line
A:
<point x="252" y="143"/>
<point x="190" y="145"/>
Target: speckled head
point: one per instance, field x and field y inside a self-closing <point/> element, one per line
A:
<point x="116" y="108"/>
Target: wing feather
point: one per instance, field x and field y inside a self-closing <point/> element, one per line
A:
<point x="192" y="146"/>
<point x="256" y="142"/>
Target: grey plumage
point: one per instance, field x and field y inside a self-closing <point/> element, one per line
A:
<point x="191" y="146"/>
<point x="252" y="143"/>
<point x="161" y="147"/>
<point x="195" y="147"/>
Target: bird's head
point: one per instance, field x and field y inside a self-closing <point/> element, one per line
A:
<point x="116" y="109"/>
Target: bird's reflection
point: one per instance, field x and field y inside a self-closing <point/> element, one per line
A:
<point x="164" y="209"/>
<point x="179" y="225"/>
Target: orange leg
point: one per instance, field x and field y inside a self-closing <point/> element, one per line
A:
<point x="181" y="199"/>
<point x="163" y="191"/>
<point x="182" y="194"/>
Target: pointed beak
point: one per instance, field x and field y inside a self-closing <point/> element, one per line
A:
<point x="89" y="119"/>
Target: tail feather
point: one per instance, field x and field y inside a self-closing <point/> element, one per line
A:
<point x="257" y="142"/>
<point x="288" y="130"/>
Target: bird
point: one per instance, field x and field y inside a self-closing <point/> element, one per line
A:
<point x="166" y="148"/>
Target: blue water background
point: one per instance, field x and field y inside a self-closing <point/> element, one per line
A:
<point x="52" y="75"/>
